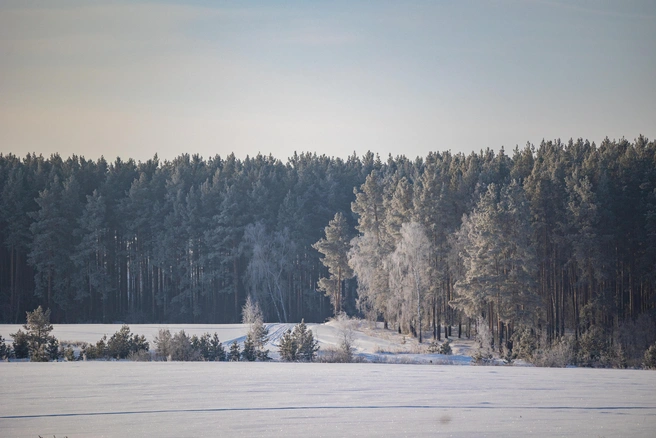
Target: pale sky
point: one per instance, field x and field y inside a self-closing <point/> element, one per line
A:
<point x="132" y="79"/>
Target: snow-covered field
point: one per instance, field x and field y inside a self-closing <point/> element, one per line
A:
<point x="184" y="399"/>
<point x="180" y="399"/>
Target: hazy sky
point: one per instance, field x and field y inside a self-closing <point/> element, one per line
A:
<point x="132" y="79"/>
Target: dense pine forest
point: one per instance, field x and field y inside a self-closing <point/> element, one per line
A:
<point x="558" y="237"/>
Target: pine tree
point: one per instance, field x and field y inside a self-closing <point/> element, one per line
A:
<point x="249" y="352"/>
<point x="40" y="343"/>
<point x="335" y="247"/>
<point x="5" y="350"/>
<point x="298" y="345"/>
<point x="499" y="261"/>
<point x="20" y="345"/>
<point x="235" y="352"/>
<point x="288" y="347"/>
<point x="306" y="345"/>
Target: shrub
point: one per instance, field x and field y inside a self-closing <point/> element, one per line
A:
<point x="182" y="349"/>
<point x="163" y="344"/>
<point x="557" y="355"/>
<point x="52" y="349"/>
<point x="5" y="350"/>
<point x="593" y="347"/>
<point x="650" y="358"/>
<point x="21" y="345"/>
<point x="524" y="343"/>
<point x="98" y="351"/>
<point x="69" y="354"/>
<point x="344" y="352"/>
<point x="122" y="343"/>
<point x="140" y="356"/>
<point x="445" y="348"/>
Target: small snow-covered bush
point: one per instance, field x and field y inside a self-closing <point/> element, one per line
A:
<point x="344" y="353"/>
<point x="524" y="344"/>
<point x="593" y="347"/>
<point x="140" y="356"/>
<point x="162" y="344"/>
<point x="123" y="342"/>
<point x="181" y="348"/>
<point x="20" y="344"/>
<point x="650" y="358"/>
<point x="69" y="354"/>
<point x="557" y="355"/>
<point x="98" y="351"/>
<point x="445" y="348"/>
<point x="5" y="350"/>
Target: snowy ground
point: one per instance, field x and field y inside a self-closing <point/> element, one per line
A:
<point x="179" y="399"/>
<point x="100" y="398"/>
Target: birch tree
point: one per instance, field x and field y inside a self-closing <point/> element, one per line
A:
<point x="410" y="273"/>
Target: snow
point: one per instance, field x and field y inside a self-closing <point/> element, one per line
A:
<point x="121" y="398"/>
<point x="287" y="399"/>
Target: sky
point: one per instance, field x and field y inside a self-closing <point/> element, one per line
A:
<point x="132" y="79"/>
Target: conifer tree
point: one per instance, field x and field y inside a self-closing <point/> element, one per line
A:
<point x="5" y="350"/>
<point x="249" y="353"/>
<point x="499" y="261"/>
<point x="298" y="345"/>
<point x="235" y="352"/>
<point x="334" y="248"/>
<point x="40" y="344"/>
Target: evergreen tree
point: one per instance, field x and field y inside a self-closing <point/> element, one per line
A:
<point x="334" y="248"/>
<point x="21" y="345"/>
<point x="249" y="352"/>
<point x="258" y="333"/>
<point x="235" y="352"/>
<point x="288" y="347"/>
<point x="40" y="344"/>
<point x="499" y="262"/>
<point x="5" y="350"/>
<point x="298" y="345"/>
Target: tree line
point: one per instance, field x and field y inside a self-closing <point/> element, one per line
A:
<point x="559" y="238"/>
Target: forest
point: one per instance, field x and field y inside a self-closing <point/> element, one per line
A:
<point x="558" y="237"/>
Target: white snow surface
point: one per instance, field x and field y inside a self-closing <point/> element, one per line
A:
<point x="185" y="399"/>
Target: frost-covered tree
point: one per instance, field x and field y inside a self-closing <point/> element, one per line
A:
<point x="370" y="249"/>
<point x="410" y="273"/>
<point x="334" y="248"/>
<point x="258" y="333"/>
<point x="499" y="261"/>
<point x="40" y="344"/>
<point x="270" y="259"/>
